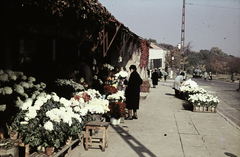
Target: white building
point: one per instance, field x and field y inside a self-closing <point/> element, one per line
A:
<point x="157" y="57"/>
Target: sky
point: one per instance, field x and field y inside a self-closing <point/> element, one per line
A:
<point x="208" y="23"/>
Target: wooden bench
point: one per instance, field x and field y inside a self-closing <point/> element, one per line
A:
<point x="97" y="126"/>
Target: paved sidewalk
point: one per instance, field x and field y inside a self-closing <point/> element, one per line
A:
<point x="166" y="129"/>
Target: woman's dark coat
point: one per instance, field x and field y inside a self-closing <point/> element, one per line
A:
<point x="155" y="78"/>
<point x="133" y="91"/>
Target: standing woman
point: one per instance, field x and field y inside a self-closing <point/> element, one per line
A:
<point x="154" y="78"/>
<point x="133" y="92"/>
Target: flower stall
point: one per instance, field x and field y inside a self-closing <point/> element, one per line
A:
<point x="54" y="119"/>
<point x="198" y="97"/>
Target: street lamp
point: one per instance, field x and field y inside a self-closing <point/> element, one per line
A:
<point x="172" y="67"/>
<point x="179" y="48"/>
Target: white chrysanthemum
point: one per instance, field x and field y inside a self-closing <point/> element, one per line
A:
<point x="48" y="125"/>
<point x="55" y="98"/>
<point x="38" y="103"/>
<point x="27" y="104"/>
<point x="13" y="77"/>
<point x="18" y="73"/>
<point x="43" y="85"/>
<point x="3" y="107"/>
<point x="32" y="79"/>
<point x="31" y="112"/>
<point x="121" y="74"/>
<point x="7" y="90"/>
<point x="74" y="102"/>
<point x="24" y="77"/>
<point x="26" y="119"/>
<point x="24" y="85"/>
<point x="19" y="102"/>
<point x="76" y="109"/>
<point x="4" y="77"/>
<point x="67" y="118"/>
<point x="65" y="102"/>
<point x="19" y="89"/>
<point x="83" y="111"/>
<point x="30" y="84"/>
<point x="95" y="77"/>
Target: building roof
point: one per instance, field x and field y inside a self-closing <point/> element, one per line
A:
<point x="156" y="46"/>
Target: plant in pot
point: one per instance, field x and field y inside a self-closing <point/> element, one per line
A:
<point x="117" y="110"/>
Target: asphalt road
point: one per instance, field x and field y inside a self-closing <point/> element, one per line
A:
<point x="229" y="97"/>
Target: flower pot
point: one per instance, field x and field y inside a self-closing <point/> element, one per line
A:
<point x="13" y="135"/>
<point x="213" y="109"/>
<point x="205" y="109"/>
<point x="115" y="121"/>
<point x="49" y="151"/>
<point x="209" y="108"/>
<point x="201" y="108"/>
<point x="197" y="108"/>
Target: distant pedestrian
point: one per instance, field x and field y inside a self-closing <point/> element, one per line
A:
<point x="159" y="73"/>
<point x="205" y="76"/>
<point x="165" y="74"/>
<point x="238" y="84"/>
<point x="210" y="76"/>
<point x="233" y="77"/>
<point x="177" y="83"/>
<point x="148" y="72"/>
<point x="154" y="78"/>
<point x="133" y="93"/>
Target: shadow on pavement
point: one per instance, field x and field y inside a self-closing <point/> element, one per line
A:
<point x="229" y="154"/>
<point x="187" y="106"/>
<point x="170" y="94"/>
<point x="139" y="148"/>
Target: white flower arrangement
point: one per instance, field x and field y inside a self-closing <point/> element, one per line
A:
<point x="121" y="74"/>
<point x="94" y="94"/>
<point x="119" y="96"/>
<point x="203" y="100"/>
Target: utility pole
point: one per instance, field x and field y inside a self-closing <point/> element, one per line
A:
<point x="183" y="32"/>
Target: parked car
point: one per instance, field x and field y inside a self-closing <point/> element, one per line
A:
<point x="197" y="73"/>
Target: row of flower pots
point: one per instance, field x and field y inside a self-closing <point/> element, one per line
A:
<point x="198" y="97"/>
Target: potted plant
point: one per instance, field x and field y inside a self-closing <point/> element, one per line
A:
<point x="117" y="110"/>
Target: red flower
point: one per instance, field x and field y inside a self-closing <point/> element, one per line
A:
<point x="109" y="89"/>
<point x="117" y="109"/>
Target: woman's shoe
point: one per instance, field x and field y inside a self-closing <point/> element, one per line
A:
<point x="128" y="118"/>
<point x="135" y="117"/>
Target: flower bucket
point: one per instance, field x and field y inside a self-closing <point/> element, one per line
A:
<point x="201" y="108"/>
<point x="49" y="151"/>
<point x="115" y="121"/>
